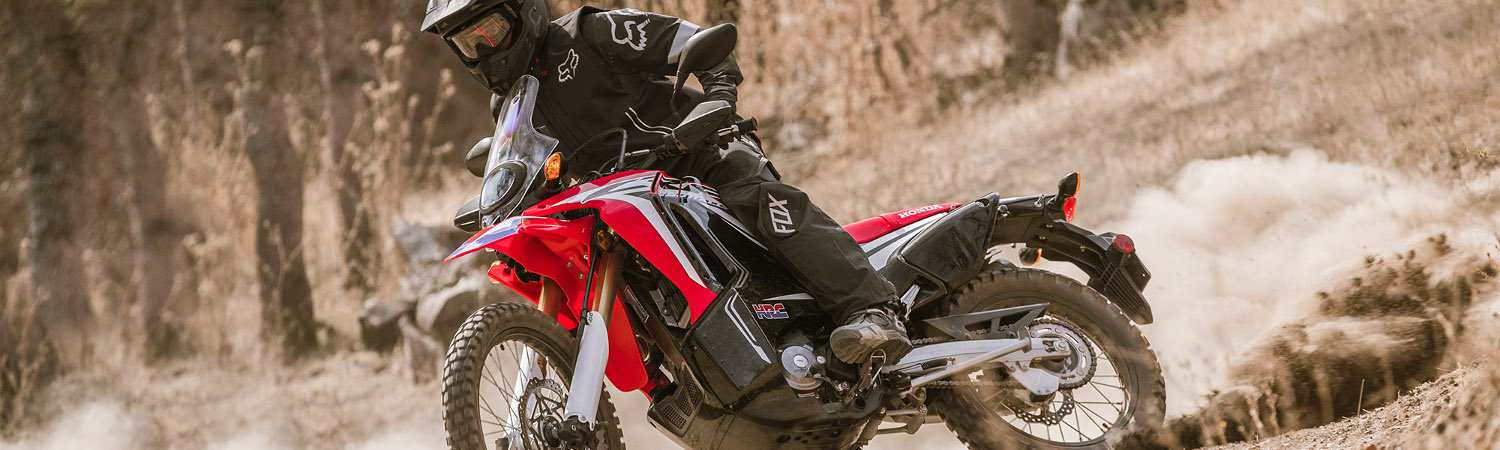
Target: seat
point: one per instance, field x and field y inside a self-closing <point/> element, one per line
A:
<point x="869" y="229"/>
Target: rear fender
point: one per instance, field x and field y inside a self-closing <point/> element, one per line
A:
<point x="1119" y="275"/>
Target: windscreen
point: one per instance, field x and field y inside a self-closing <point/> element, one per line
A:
<point x="516" y="154"/>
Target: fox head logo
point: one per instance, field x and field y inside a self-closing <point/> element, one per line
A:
<point x="568" y="68"/>
<point x="635" y="33"/>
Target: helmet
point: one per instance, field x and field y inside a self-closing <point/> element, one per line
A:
<point x="496" y="39"/>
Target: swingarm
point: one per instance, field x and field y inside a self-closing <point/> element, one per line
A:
<point x="1002" y="340"/>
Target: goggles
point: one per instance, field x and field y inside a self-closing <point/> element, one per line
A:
<point x="490" y="32"/>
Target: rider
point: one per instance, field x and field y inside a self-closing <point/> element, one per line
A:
<point x="603" y="69"/>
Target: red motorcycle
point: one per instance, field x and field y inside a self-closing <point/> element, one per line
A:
<point x="649" y="281"/>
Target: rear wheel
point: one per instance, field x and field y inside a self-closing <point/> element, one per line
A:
<point x="489" y="403"/>
<point x="1122" y="390"/>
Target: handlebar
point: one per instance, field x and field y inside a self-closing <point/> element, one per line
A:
<point x="671" y="146"/>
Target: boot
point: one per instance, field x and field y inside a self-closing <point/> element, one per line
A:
<point x="869" y="330"/>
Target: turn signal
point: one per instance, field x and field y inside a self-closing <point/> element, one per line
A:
<point x="1068" y="206"/>
<point x="1069" y="185"/>
<point x="1124" y="244"/>
<point x="553" y="167"/>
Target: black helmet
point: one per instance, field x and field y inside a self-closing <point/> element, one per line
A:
<point x="496" y="39"/>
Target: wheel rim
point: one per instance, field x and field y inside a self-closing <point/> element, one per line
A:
<point x="538" y="396"/>
<point x="1104" y="403"/>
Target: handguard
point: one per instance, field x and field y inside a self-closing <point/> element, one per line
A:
<point x="703" y="122"/>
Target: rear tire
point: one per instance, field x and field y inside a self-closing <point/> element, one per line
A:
<point x="979" y="420"/>
<point x="463" y="373"/>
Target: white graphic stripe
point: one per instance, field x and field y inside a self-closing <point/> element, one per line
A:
<point x="685" y="30"/>
<point x="744" y="329"/>
<point x="654" y="219"/>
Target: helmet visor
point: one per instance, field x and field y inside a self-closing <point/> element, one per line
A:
<point x="491" y="33"/>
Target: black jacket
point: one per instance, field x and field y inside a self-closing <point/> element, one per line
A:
<point x="604" y="69"/>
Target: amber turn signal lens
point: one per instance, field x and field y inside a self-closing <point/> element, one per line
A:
<point x="553" y="167"/>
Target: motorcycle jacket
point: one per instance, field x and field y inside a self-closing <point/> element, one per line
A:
<point x="603" y="69"/>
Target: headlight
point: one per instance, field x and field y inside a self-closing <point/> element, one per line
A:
<point x="504" y="186"/>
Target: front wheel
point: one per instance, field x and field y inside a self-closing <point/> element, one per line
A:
<point x="1125" y="390"/>
<point x="505" y="382"/>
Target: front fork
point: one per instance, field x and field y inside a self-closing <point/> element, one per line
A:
<point x="593" y="351"/>
<point x="593" y="348"/>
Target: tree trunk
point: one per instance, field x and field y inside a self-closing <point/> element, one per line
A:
<point x="155" y="233"/>
<point x="722" y="11"/>
<point x="53" y="115"/>
<point x="286" y="296"/>
<point x="1031" y="27"/>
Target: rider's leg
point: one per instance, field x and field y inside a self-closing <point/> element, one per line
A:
<point x="815" y="249"/>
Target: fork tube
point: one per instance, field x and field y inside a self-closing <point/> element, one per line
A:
<point x="593" y="348"/>
<point x="551" y="300"/>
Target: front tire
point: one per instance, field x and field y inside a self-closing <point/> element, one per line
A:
<point x="477" y="403"/>
<point x="985" y="418"/>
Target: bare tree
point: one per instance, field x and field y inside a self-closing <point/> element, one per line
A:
<point x="155" y="233"/>
<point x="286" y="296"/>
<point x="361" y="256"/>
<point x="53" y="117"/>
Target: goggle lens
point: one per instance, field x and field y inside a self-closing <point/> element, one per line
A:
<point x="489" y="32"/>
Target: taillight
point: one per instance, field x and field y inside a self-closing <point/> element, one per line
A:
<point x="1124" y="244"/>
<point x="1068" y="206"/>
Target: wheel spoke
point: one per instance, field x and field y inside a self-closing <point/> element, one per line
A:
<point x="1101" y="393"/>
<point x="1103" y="423"/>
<point x="1107" y="385"/>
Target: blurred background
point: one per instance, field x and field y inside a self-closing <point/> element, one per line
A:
<point x="224" y="218"/>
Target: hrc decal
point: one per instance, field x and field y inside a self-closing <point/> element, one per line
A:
<point x="770" y="311"/>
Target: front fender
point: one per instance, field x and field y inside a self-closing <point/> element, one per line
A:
<point x="558" y="249"/>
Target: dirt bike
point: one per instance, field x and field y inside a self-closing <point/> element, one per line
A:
<point x="651" y="282"/>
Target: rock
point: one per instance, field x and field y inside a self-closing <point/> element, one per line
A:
<point x="377" y="324"/>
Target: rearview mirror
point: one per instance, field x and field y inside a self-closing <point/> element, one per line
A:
<point x="703" y="51"/>
<point x="707" y="48"/>
<point x="477" y="157"/>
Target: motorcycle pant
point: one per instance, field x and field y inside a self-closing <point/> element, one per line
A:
<point x="804" y="239"/>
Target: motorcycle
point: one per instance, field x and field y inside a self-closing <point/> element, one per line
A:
<point x="649" y="281"/>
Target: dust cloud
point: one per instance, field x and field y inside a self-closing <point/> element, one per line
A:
<point x="1242" y="245"/>
<point x="98" y="425"/>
